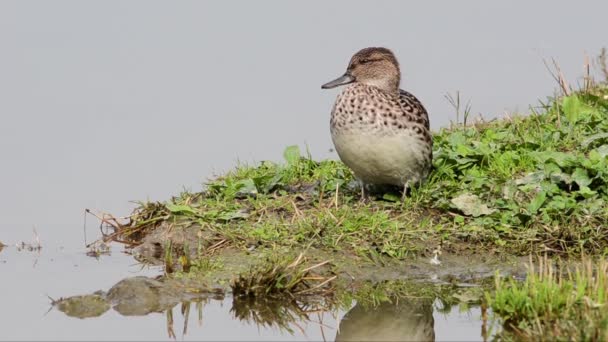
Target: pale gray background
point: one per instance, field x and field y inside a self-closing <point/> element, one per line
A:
<point x="103" y="102"/>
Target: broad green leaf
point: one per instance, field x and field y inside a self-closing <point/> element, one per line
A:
<point x="561" y="177"/>
<point x="550" y="168"/>
<point x="471" y="205"/>
<point x="602" y="151"/>
<point x="593" y="138"/>
<point x="571" y="106"/>
<point x="508" y="191"/>
<point x="531" y="178"/>
<point x="291" y="154"/>
<point x="391" y="197"/>
<point x="465" y="150"/>
<point x="550" y="187"/>
<point x="457" y="139"/>
<point x="581" y="177"/>
<point x="537" y="202"/>
<point x="586" y="192"/>
<point x="560" y="203"/>
<point x="562" y="159"/>
<point x="464" y="161"/>
<point x="268" y="184"/>
<point x="246" y="186"/>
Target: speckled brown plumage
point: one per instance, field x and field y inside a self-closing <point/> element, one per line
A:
<point x="380" y="131"/>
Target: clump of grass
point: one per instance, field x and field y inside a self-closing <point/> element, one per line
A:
<point x="281" y="293"/>
<point x="298" y="173"/>
<point x="554" y="303"/>
<point x="280" y="279"/>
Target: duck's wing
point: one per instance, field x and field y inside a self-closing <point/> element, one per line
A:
<point x="414" y="107"/>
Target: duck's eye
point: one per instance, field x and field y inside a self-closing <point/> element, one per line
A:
<point x="365" y="61"/>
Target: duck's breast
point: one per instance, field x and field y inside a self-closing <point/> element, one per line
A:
<point x="383" y="158"/>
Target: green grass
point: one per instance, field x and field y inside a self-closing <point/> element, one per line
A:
<point x="536" y="183"/>
<point x="554" y="303"/>
<point x="281" y="279"/>
<point x="544" y="176"/>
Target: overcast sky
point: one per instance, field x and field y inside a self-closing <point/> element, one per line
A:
<point x="104" y="102"/>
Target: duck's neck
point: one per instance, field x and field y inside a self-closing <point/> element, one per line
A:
<point x="388" y="85"/>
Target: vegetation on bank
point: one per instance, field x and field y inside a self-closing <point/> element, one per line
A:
<point x="554" y="303"/>
<point x="537" y="183"/>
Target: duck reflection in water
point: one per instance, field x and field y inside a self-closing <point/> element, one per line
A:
<point x="405" y="320"/>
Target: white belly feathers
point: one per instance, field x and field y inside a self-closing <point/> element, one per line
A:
<point x="382" y="158"/>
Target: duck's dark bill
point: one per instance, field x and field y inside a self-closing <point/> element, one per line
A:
<point x="342" y="80"/>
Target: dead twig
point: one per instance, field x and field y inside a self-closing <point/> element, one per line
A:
<point x="315" y="266"/>
<point x="587" y="78"/>
<point x="558" y="76"/>
<point x="317" y="286"/>
<point x="106" y="218"/>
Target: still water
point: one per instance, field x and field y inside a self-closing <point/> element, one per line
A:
<point x="103" y="103"/>
<point x="57" y="271"/>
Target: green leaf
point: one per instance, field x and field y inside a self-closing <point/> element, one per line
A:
<point x="560" y="158"/>
<point x="586" y="192"/>
<point x="537" y="202"/>
<point x="602" y="151"/>
<point x="550" y="187"/>
<point x="593" y="138"/>
<point x="181" y="209"/>
<point x="471" y="205"/>
<point x="561" y="177"/>
<point x="531" y="178"/>
<point x="457" y="139"/>
<point x="571" y="106"/>
<point x="465" y="161"/>
<point x="233" y="215"/>
<point x="291" y="154"/>
<point x="581" y="177"/>
<point x="268" y="183"/>
<point x="508" y="191"/>
<point x="246" y="186"/>
<point x="391" y="197"/>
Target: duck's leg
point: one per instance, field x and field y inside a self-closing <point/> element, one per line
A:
<point x="364" y="195"/>
<point x="406" y="186"/>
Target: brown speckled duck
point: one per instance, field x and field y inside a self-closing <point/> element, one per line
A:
<point x="380" y="131"/>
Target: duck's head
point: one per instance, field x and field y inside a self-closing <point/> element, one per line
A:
<point x="375" y="66"/>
